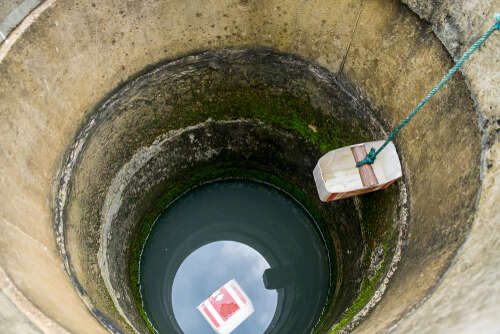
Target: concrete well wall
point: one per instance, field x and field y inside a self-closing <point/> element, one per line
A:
<point x="67" y="56"/>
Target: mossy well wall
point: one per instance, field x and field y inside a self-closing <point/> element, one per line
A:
<point x="226" y="113"/>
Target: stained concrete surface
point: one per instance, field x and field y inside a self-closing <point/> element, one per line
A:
<point x="26" y="122"/>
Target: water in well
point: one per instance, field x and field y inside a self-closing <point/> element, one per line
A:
<point x="238" y="230"/>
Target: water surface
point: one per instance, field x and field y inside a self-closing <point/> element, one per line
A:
<point x="240" y="230"/>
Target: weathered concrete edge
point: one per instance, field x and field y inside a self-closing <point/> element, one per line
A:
<point x="16" y="16"/>
<point x="59" y="201"/>
<point x="26" y="22"/>
<point x="37" y="318"/>
<point x="61" y="191"/>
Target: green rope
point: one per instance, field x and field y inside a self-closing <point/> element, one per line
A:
<point x="372" y="155"/>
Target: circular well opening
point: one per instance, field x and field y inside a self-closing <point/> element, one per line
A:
<point x="253" y="114"/>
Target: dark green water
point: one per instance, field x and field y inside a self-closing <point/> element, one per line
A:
<point x="241" y="230"/>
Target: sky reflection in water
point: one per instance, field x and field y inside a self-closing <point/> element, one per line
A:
<point x="207" y="269"/>
<point x="239" y="230"/>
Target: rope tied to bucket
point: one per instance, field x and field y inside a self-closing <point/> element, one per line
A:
<point x="372" y="155"/>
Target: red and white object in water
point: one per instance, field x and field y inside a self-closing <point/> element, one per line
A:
<point x="226" y="308"/>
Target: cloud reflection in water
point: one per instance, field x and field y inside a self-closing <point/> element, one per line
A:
<point x="207" y="269"/>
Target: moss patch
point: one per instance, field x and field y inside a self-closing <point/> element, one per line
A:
<point x="368" y="288"/>
<point x="376" y="230"/>
<point x="283" y="110"/>
<point x="274" y="108"/>
<point x="377" y="220"/>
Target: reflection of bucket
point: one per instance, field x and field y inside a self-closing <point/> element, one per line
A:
<point x="226" y="308"/>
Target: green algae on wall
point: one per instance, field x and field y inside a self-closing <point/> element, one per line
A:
<point x="377" y="230"/>
<point x="368" y="288"/>
<point x="278" y="109"/>
<point x="284" y="110"/>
